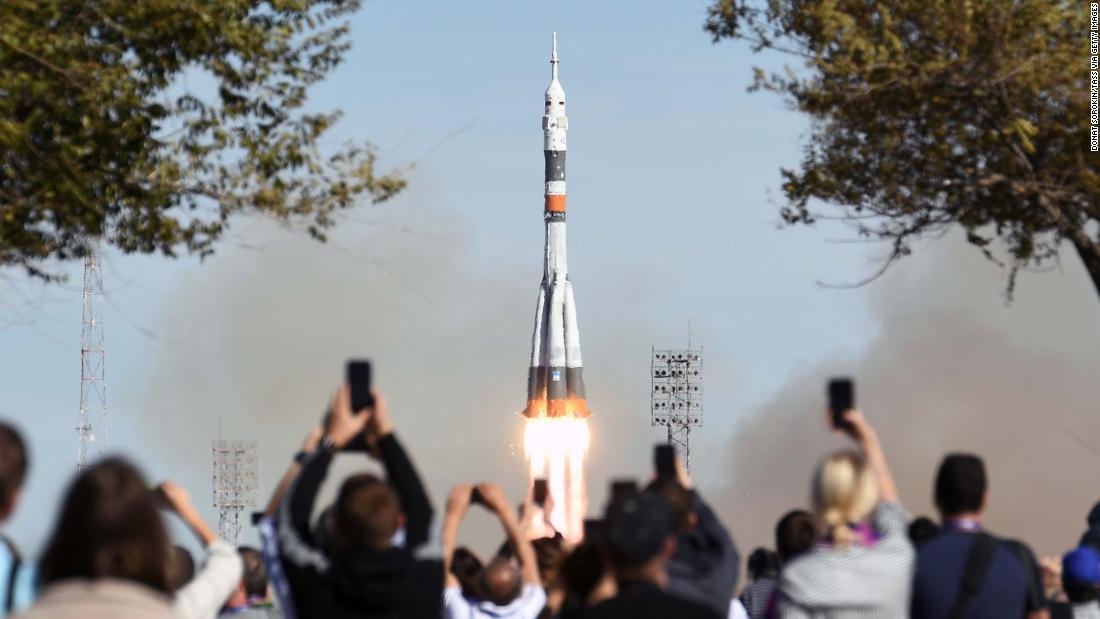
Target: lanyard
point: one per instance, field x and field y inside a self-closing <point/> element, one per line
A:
<point x="963" y="524"/>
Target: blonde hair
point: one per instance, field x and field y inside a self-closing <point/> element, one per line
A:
<point x="845" y="490"/>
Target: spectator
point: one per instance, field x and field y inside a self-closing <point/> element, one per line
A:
<point x="640" y="539"/>
<point x="250" y="599"/>
<point x="965" y="571"/>
<point x="1081" y="583"/>
<point x="108" y="554"/>
<point x="466" y="567"/>
<point x="204" y="594"/>
<point x="503" y="590"/>
<point x="864" y="565"/>
<point x="181" y="568"/>
<point x="921" y="530"/>
<point x="705" y="565"/>
<point x="585" y="579"/>
<point x="763" y="570"/>
<point x="795" y="533"/>
<point x="360" y="571"/>
<point x="16" y="577"/>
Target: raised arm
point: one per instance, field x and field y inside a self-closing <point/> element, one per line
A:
<point x="204" y="595"/>
<point x="458" y="501"/>
<point x="308" y="447"/>
<point x="401" y="472"/>
<point x="867" y="439"/>
<point x="496" y="501"/>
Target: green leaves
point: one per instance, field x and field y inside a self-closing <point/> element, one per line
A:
<point x="100" y="134"/>
<point x="931" y="114"/>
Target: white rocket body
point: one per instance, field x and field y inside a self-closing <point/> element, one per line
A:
<point x="555" y="385"/>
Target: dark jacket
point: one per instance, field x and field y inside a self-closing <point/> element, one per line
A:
<point x="645" y="601"/>
<point x="706" y="565"/>
<point x="397" y="582"/>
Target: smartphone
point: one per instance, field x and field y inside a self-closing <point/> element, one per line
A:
<point x="359" y="381"/>
<point x="539" y="492"/>
<point x="842" y="397"/>
<point x="475" y="496"/>
<point x="159" y="498"/>
<point x="622" y="488"/>
<point x="664" y="461"/>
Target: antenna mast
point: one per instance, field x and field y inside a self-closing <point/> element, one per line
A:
<point x="91" y="427"/>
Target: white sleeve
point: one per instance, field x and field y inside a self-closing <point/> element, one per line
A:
<point x="455" y="605"/>
<point x="737" y="610"/>
<point x="204" y="596"/>
<point x="534" y="600"/>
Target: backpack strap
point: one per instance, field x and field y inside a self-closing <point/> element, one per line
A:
<point x="13" y="573"/>
<point x="1036" y="599"/>
<point x="977" y="565"/>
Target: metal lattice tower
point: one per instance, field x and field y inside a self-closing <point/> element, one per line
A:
<point x="91" y="427"/>
<point x="676" y="399"/>
<point x="235" y="485"/>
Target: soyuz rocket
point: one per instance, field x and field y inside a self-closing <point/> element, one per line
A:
<point x="555" y="384"/>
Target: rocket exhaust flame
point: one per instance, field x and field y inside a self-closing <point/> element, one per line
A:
<point x="556" y="435"/>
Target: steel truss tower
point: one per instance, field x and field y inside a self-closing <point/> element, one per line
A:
<point x="91" y="427"/>
<point x="676" y="397"/>
<point x="235" y="485"/>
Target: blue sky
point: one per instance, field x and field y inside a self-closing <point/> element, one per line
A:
<point x="674" y="195"/>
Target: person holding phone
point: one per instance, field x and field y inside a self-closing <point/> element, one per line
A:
<point x="706" y="565"/>
<point x="360" y="569"/>
<point x="503" y="590"/>
<point x="863" y="565"/>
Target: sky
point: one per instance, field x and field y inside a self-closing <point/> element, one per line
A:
<point x="674" y="192"/>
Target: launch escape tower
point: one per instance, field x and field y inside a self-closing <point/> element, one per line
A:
<point x="235" y="485"/>
<point x="676" y="396"/>
<point x="91" y="426"/>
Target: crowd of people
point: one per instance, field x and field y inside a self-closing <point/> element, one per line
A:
<point x="382" y="550"/>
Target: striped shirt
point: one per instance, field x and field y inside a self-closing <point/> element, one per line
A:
<point x="756" y="597"/>
<point x="856" y="582"/>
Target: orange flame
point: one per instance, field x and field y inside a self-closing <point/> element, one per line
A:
<point x="556" y="449"/>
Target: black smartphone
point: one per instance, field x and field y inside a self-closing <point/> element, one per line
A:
<point x="593" y="529"/>
<point x="359" y="381"/>
<point x="159" y="498"/>
<point x="664" y="461"/>
<point x="842" y="397"/>
<point x="539" y="492"/>
<point x="475" y="496"/>
<point x="622" y="488"/>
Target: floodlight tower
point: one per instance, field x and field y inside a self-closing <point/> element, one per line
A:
<point x="235" y="485"/>
<point x="676" y="396"/>
<point x="91" y="428"/>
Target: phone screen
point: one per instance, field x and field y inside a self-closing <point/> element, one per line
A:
<point x="842" y="397"/>
<point x="359" y="380"/>
<point x="539" y="492"/>
<point x="664" y="461"/>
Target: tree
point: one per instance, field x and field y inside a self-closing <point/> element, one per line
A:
<point x="101" y="136"/>
<point x="934" y="114"/>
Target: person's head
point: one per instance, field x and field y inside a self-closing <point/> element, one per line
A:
<point x="845" y="491"/>
<point x="181" y="567"/>
<point x="1081" y="574"/>
<point x="763" y="563"/>
<point x="466" y="567"/>
<point x="640" y="537"/>
<point x="679" y="498"/>
<point x="795" y="533"/>
<point x="960" y="486"/>
<point x="549" y="553"/>
<point x="13" y="469"/>
<point x="254" y="576"/>
<point x="367" y="513"/>
<point x="922" y="529"/>
<point x="582" y="571"/>
<point x="109" y="527"/>
<point x="501" y="581"/>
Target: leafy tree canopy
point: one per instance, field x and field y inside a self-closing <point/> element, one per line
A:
<point x="100" y="137"/>
<point x="932" y="114"/>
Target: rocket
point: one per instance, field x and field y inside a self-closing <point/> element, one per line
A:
<point x="555" y="381"/>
